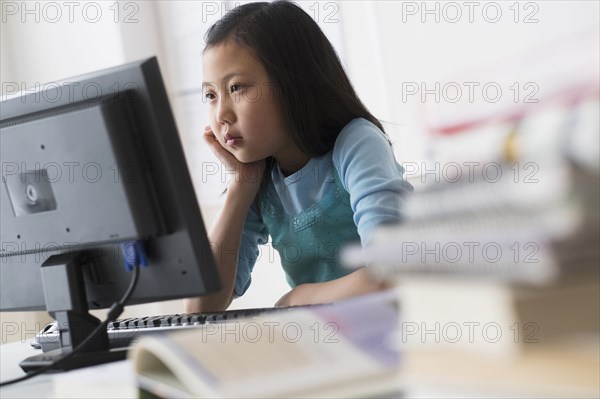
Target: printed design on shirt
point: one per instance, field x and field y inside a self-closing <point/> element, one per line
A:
<point x="313" y="214"/>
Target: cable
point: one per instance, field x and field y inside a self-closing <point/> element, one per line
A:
<point x="115" y="310"/>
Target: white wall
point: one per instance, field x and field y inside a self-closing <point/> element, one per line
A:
<point x="392" y="44"/>
<point x="40" y="50"/>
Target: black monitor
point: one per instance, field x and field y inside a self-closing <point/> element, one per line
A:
<point x="90" y="163"/>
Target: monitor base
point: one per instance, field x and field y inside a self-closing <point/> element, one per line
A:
<point x="79" y="360"/>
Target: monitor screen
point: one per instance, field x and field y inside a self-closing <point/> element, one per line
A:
<point x="89" y="163"/>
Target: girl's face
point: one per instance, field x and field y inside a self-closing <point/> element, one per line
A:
<point x="244" y="115"/>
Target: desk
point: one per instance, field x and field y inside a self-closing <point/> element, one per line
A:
<point x="10" y="356"/>
<point x="112" y="380"/>
<point x="105" y="380"/>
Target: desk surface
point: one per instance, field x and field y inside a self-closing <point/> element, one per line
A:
<point x="106" y="380"/>
<point x="113" y="380"/>
<point x="10" y="356"/>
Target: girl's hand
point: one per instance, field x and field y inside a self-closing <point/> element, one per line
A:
<point x="359" y="282"/>
<point x="301" y="295"/>
<point x="246" y="175"/>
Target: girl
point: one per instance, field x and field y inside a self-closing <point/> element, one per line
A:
<point x="313" y="168"/>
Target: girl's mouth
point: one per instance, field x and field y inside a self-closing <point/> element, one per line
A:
<point x="232" y="140"/>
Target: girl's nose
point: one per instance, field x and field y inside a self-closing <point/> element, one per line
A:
<point x="225" y="114"/>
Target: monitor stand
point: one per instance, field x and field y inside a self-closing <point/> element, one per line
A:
<point x="66" y="302"/>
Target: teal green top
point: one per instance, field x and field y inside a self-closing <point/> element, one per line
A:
<point x="309" y="243"/>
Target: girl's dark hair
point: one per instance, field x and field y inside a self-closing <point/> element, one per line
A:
<point x="315" y="95"/>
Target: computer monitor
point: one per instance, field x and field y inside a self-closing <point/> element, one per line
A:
<point x="89" y="163"/>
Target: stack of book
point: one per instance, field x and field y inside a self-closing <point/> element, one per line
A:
<point x="498" y="278"/>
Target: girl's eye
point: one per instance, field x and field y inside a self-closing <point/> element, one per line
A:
<point x="234" y="87"/>
<point x="209" y="96"/>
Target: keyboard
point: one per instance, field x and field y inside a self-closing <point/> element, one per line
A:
<point x="122" y="333"/>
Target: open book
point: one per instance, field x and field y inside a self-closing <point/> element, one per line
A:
<point x="334" y="350"/>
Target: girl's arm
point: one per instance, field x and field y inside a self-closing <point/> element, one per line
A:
<point x="226" y="233"/>
<point x="356" y="283"/>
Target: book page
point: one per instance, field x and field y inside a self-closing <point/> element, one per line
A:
<point x="284" y="353"/>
